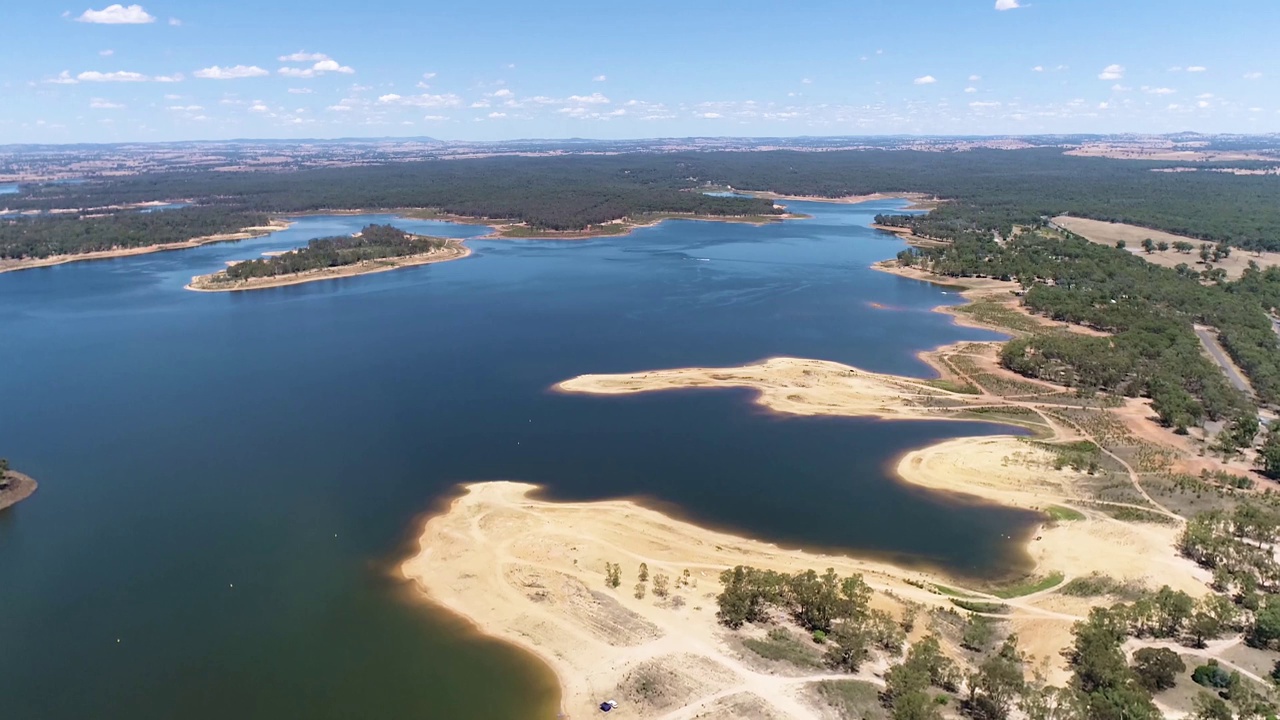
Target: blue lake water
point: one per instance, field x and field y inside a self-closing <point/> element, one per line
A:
<point x="8" y="189"/>
<point x="227" y="477"/>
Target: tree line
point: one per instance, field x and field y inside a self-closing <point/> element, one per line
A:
<point x="988" y="191"/>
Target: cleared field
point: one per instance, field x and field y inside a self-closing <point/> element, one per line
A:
<point x="1107" y="233"/>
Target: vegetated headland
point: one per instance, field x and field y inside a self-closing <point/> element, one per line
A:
<point x="1149" y="468"/>
<point x="376" y="248"/>
<point x="14" y="486"/>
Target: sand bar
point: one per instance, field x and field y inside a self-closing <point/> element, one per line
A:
<point x="19" y="487"/>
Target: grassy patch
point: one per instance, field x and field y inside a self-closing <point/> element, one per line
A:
<point x="1097" y="585"/>
<point x="1057" y="513"/>
<point x="951" y="592"/>
<point x="852" y="698"/>
<point x="1132" y="514"/>
<point x="989" y="608"/>
<point x="998" y="314"/>
<point x="783" y="646"/>
<point x="1029" y="586"/>
<point x="1082" y="455"/>
<point x="955" y="387"/>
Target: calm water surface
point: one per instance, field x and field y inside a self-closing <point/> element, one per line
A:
<point x="225" y="478"/>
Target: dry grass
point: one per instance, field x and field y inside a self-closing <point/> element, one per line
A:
<point x="1105" y="233"/>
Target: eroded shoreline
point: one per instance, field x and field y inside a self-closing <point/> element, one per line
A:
<point x="19" y="487"/>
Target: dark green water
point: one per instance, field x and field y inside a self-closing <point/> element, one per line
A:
<point x="225" y="478"/>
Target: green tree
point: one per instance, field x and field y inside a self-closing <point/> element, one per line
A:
<point x="1162" y="246"/>
<point x="978" y="633"/>
<point x="1157" y="668"/>
<point x="640" y="591"/>
<point x="644" y="572"/>
<point x="661" y="585"/>
<point x="1269" y="454"/>
<point x="1149" y="245"/>
<point x="1266" y="624"/>
<point x="997" y="684"/>
<point x="848" y="646"/>
<point x="1211" y="707"/>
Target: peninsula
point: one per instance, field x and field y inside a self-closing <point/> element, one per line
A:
<point x="1128" y="526"/>
<point x="14" y="486"/>
<point x="377" y="248"/>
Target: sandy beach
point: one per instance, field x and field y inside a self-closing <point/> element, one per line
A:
<point x="455" y="250"/>
<point x="531" y="572"/>
<point x="244" y="234"/>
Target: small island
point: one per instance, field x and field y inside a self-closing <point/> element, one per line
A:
<point x="14" y="486"/>
<point x="376" y="248"/>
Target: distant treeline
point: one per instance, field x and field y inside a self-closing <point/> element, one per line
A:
<point x="40" y="237"/>
<point x="1149" y="311"/>
<point x="990" y="191"/>
<point x="372" y="243"/>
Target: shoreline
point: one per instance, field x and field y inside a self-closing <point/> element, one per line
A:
<point x="919" y="201"/>
<point x="20" y="488"/>
<point x="455" y="250"/>
<point x="249" y="233"/>
<point x="503" y="576"/>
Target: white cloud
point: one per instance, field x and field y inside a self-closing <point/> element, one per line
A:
<point x="101" y="104"/>
<point x="172" y="97"/>
<point x="428" y="75"/>
<point x="435" y="118"/>
<point x="926" y="80"/>
<point x="480" y="104"/>
<point x="424" y="100"/>
<point x="971" y="89"/>
<point x="1111" y="72"/>
<point x="1007" y="4"/>
<point x="1252" y="76"/>
<point x="1120" y="88"/>
<point x="118" y="76"/>
<point x="1038" y="68"/>
<point x="1197" y="68"/>
<point x="592" y="99"/>
<point x="299" y="91"/>
<point x="117" y="15"/>
<point x="106" y="53"/>
<point x="503" y="93"/>
<point x="175" y="22"/>
<point x="339" y="108"/>
<point x="600" y="78"/>
<point x="1203" y="104"/>
<point x="185" y="108"/>
<point x="1176" y="68"/>
<point x="1158" y="90"/>
<point x="710" y="115"/>
<point x="257" y="106"/>
<point x="176" y="77"/>
<point x="303" y="56"/>
<point x="1204" y="96"/>
<point x="975" y="78"/>
<point x="64" y="78"/>
<point x="807" y="81"/>
<point x="231" y="73"/>
<point x="984" y="104"/>
<point x="322" y="66"/>
<point x="1104" y="105"/>
<point x="497" y="115"/>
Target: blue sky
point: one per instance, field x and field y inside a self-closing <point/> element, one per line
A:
<point x="485" y="70"/>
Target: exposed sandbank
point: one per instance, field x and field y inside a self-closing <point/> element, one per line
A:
<point x="244" y="234"/>
<point x="455" y="250"/>
<point x="18" y="487"/>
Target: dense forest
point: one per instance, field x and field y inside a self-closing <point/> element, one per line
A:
<point x="1148" y="312"/>
<point x="990" y="191"/>
<point x="371" y="243"/>
<point x="40" y="237"/>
